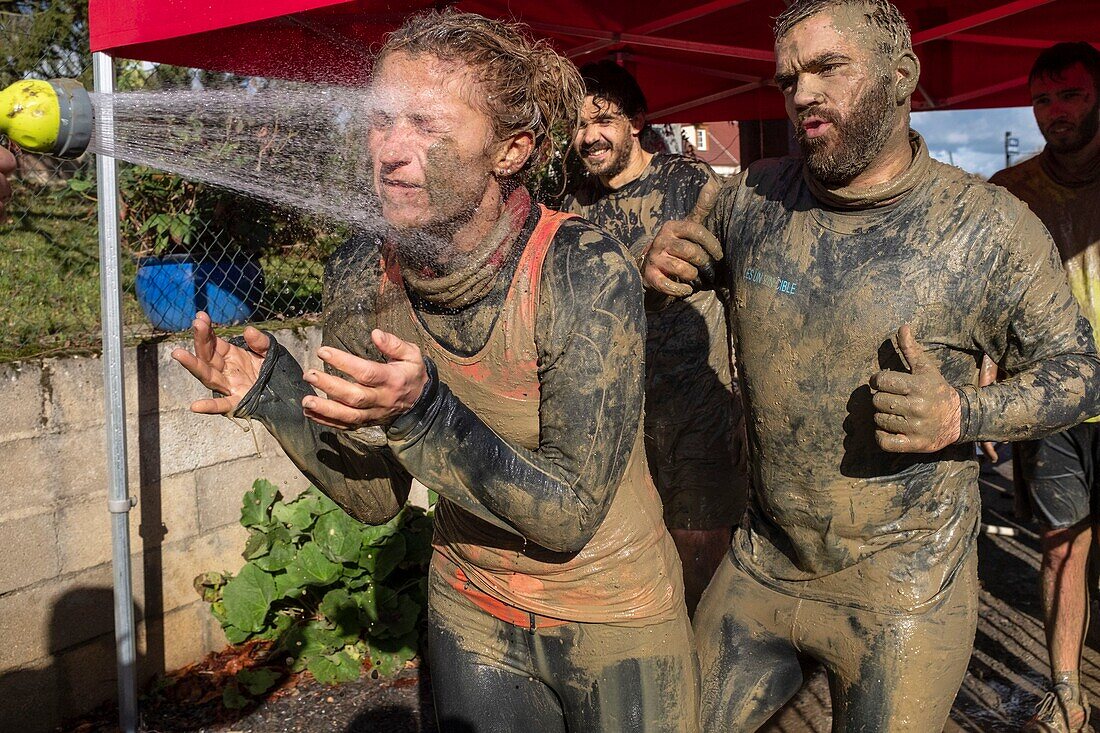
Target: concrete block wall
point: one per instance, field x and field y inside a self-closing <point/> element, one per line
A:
<point x="188" y="472"/>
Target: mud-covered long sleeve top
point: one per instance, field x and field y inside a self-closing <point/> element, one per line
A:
<point x="821" y="282"/>
<point x="589" y="339"/>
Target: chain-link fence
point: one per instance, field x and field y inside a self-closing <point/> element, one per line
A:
<point x="186" y="246"/>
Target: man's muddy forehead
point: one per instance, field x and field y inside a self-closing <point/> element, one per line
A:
<point x="852" y="30"/>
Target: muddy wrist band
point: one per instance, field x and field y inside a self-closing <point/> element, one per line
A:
<point x="275" y="352"/>
<point x="967" y="431"/>
<point x="405" y="423"/>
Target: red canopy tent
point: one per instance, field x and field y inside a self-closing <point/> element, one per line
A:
<point x="697" y="59"/>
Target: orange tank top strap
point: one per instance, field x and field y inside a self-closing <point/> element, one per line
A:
<point x="534" y="256"/>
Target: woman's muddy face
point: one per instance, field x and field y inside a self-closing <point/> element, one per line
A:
<point x="429" y="147"/>
<point x="838" y="92"/>
<point x="1067" y="108"/>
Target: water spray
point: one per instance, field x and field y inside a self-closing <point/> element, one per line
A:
<point x="53" y="117"/>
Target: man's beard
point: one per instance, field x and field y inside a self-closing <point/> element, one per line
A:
<point x="615" y="164"/>
<point x="1083" y="134"/>
<point x="858" y="139"/>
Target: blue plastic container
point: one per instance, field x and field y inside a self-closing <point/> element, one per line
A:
<point x="171" y="289"/>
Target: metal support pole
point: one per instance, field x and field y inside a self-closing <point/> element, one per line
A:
<point x="119" y="502"/>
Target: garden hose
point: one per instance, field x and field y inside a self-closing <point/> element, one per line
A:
<point x="53" y="117"/>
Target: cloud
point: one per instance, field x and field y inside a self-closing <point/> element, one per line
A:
<point x="974" y="139"/>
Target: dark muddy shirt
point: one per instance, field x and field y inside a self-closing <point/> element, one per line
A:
<point x="821" y="282"/>
<point x="1069" y="206"/>
<point x="687" y="348"/>
<point x="555" y="492"/>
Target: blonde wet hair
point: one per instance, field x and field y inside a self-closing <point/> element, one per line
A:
<point x="526" y="85"/>
<point x="881" y="15"/>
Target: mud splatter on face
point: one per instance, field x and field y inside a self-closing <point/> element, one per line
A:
<point x="860" y="136"/>
<point x="840" y="93"/>
<point x="430" y="148"/>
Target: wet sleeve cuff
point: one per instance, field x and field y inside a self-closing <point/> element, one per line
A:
<point x="278" y="383"/>
<point x="968" y="400"/>
<point x="412" y="424"/>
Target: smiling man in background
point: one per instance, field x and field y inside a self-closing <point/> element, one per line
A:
<point x="694" y="427"/>
<point x="1059" y="472"/>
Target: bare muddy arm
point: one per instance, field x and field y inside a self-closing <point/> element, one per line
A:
<point x="589" y="336"/>
<point x="1034" y="329"/>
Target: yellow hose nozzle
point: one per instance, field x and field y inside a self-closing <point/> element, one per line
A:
<point x="53" y="117"/>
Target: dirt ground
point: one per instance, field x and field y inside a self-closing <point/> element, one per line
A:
<point x="1004" y="681"/>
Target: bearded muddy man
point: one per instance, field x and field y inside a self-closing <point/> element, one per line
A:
<point x="1062" y="186"/>
<point x="693" y="419"/>
<point x="867" y="281"/>
<point x="499" y="346"/>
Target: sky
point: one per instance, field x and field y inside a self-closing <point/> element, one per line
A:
<point x="974" y="140"/>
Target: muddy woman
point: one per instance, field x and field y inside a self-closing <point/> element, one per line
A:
<point x="867" y="279"/>
<point x="498" y="346"/>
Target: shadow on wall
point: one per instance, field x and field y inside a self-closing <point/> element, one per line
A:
<point x="81" y="673"/>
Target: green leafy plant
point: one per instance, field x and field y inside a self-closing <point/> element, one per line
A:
<point x="331" y="593"/>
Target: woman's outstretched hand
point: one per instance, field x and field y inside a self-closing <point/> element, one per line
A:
<point x="221" y="366"/>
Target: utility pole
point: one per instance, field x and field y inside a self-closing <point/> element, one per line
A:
<point x="1012" y="147"/>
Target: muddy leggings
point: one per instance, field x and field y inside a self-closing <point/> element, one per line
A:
<point x="490" y="676"/>
<point x="886" y="672"/>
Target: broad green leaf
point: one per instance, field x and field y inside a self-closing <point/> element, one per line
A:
<point x="278" y="558"/>
<point x="257" y="681"/>
<point x="418" y="542"/>
<point x="332" y="669"/>
<point x="399" y="621"/>
<point x="234" y="635"/>
<point x="296" y="516"/>
<point x="339" y="537"/>
<point x="324" y="504"/>
<point x="209" y="585"/>
<point x="379" y="534"/>
<point x="256" y="507"/>
<point x="387" y="657"/>
<point x="311" y="567"/>
<point x="275" y="630"/>
<point x="380" y="561"/>
<point x="375" y="601"/>
<point x="287" y="586"/>
<point x="341" y="610"/>
<point x="307" y="641"/>
<point x="258" y="544"/>
<point x="232" y="698"/>
<point x="247" y="598"/>
<point x="311" y="500"/>
<point x="356" y="580"/>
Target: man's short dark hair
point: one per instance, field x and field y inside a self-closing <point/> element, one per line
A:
<point x="610" y="82"/>
<point x="1054" y="61"/>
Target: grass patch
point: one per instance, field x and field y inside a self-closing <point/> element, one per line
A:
<point x="49" y="275"/>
